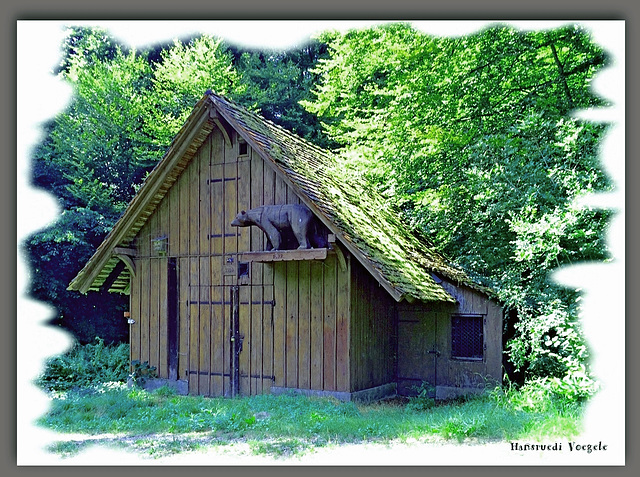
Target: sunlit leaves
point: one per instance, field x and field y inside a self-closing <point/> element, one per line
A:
<point x="474" y="142"/>
<point x="186" y="71"/>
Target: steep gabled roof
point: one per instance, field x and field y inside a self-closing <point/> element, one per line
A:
<point x="401" y="262"/>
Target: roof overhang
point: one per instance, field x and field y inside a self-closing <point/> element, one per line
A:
<point x="182" y="149"/>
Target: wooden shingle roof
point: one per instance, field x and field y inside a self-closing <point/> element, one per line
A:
<point x="401" y="262"/>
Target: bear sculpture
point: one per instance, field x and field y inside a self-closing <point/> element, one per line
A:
<point x="278" y="221"/>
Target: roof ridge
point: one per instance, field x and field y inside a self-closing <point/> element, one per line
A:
<point x="272" y="124"/>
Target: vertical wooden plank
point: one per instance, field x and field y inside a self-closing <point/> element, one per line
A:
<point x="227" y="346"/>
<point x="183" y="307"/>
<point x="354" y="328"/>
<point x="255" y="333"/>
<point x="442" y="342"/>
<point x="160" y="284"/>
<point x="281" y="189"/>
<point x="218" y="339"/>
<point x="266" y="327"/>
<point x="217" y="327"/>
<point x="204" y="225"/>
<point x="143" y="241"/>
<point x="279" y="323"/>
<point x="144" y="308"/>
<point x="291" y="329"/>
<point x="245" y="331"/>
<point x="342" y="332"/>
<point x="173" y="219"/>
<point x="134" y="311"/>
<point x="154" y="314"/>
<point x="317" y="324"/>
<point x="304" y="325"/>
<point x="194" y="206"/>
<point x="330" y="323"/>
<point x="163" y="315"/>
<point x="194" y="325"/>
<point x="184" y="205"/>
<point x="205" y="326"/>
<point x="269" y="188"/>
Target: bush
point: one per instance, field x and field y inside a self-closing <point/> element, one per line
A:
<point x="86" y="366"/>
<point x="425" y="398"/>
<point x="543" y="393"/>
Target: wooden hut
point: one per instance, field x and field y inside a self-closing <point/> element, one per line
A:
<point x="374" y="312"/>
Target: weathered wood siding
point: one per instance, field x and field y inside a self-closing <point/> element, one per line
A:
<point x="460" y="373"/>
<point x="373" y="332"/>
<point x="425" y="344"/>
<point x="323" y="325"/>
<point x="293" y="316"/>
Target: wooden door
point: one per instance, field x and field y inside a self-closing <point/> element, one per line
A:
<point x="417" y="352"/>
<point x="251" y="335"/>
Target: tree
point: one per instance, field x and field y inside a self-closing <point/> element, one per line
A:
<point x="124" y="113"/>
<point x="472" y="140"/>
<point x="275" y="82"/>
<point x="183" y="74"/>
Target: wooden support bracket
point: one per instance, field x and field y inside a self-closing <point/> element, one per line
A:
<point x="225" y="128"/>
<point x="126" y="258"/>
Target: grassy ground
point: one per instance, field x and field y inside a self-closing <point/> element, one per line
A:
<point x="160" y="423"/>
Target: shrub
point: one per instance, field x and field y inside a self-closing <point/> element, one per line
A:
<point x="425" y="398"/>
<point x="142" y="372"/>
<point x="86" y="366"/>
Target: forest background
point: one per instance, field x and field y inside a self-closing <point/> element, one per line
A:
<point x="495" y="164"/>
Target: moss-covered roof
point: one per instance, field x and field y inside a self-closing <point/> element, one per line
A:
<point x="366" y="225"/>
<point x="363" y="223"/>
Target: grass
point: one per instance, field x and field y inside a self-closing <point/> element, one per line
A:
<point x="161" y="423"/>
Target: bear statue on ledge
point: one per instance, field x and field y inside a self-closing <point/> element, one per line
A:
<point x="278" y="222"/>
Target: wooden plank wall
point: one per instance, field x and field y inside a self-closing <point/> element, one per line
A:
<point x="467" y="373"/>
<point x="293" y="315"/>
<point x="309" y="328"/>
<point x="373" y="332"/>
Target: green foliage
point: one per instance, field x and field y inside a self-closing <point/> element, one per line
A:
<point x="181" y="77"/>
<point x="424" y="398"/>
<point x="472" y="140"/>
<point x="274" y="83"/>
<point x="141" y="372"/>
<point x="86" y="366"/>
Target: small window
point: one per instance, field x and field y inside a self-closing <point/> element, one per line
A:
<point x="243" y="270"/>
<point x="243" y="147"/>
<point x="467" y="337"/>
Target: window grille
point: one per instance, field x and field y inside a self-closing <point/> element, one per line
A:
<point x="467" y="340"/>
